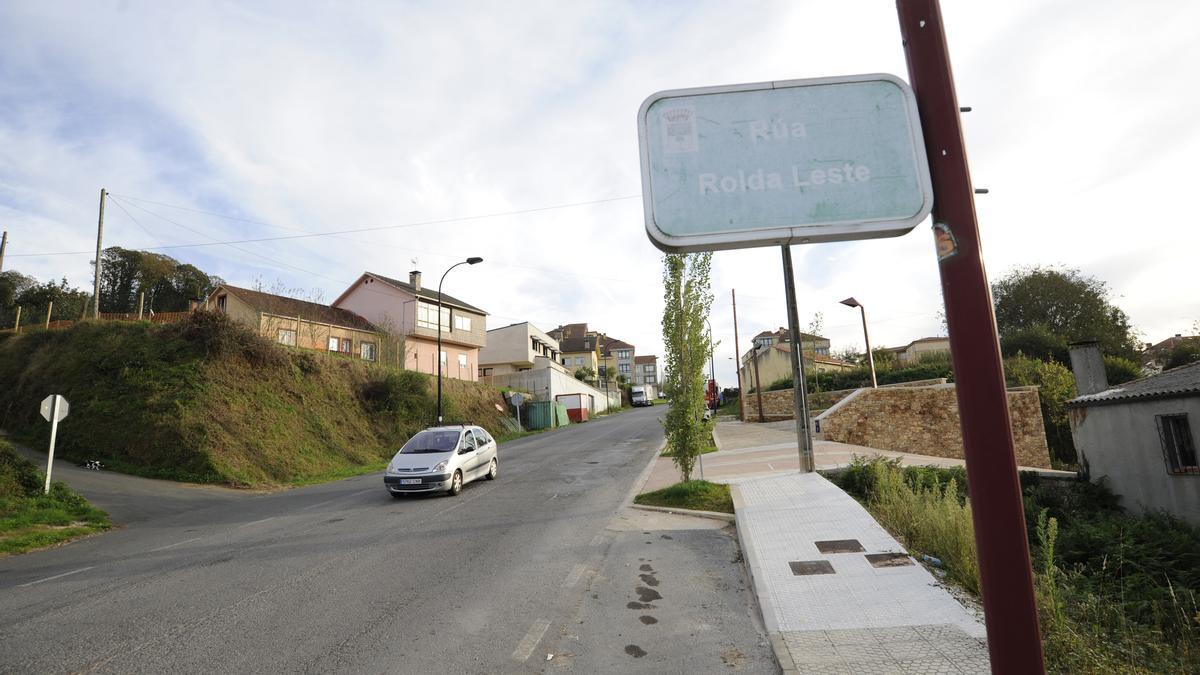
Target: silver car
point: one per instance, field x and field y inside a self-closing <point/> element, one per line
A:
<point x="442" y="459"/>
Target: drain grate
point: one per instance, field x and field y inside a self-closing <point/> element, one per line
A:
<point x="889" y="559"/>
<point x="802" y="568"/>
<point x="839" y="546"/>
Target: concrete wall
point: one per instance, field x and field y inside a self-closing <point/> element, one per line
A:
<point x="924" y="421"/>
<point x="547" y="383"/>
<point x="1120" y="443"/>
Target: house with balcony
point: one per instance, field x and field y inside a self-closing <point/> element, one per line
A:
<point x="299" y="323"/>
<point x="410" y="311"/>
<point x="616" y="358"/>
<point x="518" y="347"/>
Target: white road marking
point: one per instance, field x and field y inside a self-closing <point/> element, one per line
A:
<point x="532" y="638"/>
<point x="67" y="574"/>
<point x="574" y="575"/>
<point x="255" y="522"/>
<point x="178" y="543"/>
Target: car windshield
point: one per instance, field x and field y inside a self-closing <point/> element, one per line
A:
<point x="431" y="441"/>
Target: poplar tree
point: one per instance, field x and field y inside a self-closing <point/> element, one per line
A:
<point x="687" y="298"/>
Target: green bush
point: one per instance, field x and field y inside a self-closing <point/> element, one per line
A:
<point x="1056" y="386"/>
<point x="1119" y="370"/>
<point x="30" y="519"/>
<point x="1116" y="591"/>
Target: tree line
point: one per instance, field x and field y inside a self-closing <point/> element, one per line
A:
<point x="169" y="285"/>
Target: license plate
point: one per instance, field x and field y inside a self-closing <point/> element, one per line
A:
<point x="410" y="481"/>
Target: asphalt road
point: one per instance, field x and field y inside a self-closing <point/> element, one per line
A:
<point x="536" y="571"/>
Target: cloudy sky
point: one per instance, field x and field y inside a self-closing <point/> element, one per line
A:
<point x="453" y="128"/>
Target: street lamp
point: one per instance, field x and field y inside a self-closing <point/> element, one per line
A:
<point x="469" y="261"/>
<point x="851" y="302"/>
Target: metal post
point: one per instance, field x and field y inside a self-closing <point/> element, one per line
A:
<point x="49" y="309"/>
<point x="757" y="384"/>
<point x="3" y="245"/>
<point x="99" y="250"/>
<point x="737" y="359"/>
<point x="1006" y="578"/>
<point x="867" y="339"/>
<point x="799" y="393"/>
<point x="53" y="436"/>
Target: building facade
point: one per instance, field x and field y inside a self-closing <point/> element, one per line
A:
<point x="1141" y="436"/>
<point x="645" y="370"/>
<point x="410" y="310"/>
<point x="518" y="347"/>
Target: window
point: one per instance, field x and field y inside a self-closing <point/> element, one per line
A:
<point x="462" y="360"/>
<point x="623" y="367"/>
<point x="287" y="337"/>
<point x="566" y="361"/>
<point x="366" y="351"/>
<point x="221" y="303"/>
<point x="648" y="368"/>
<point x="622" y="353"/>
<point x="427" y="317"/>
<point x="579" y="360"/>
<point x="1178" y="446"/>
<point x="462" y="322"/>
<point x="347" y="345"/>
<point x="333" y="344"/>
<point x="443" y="356"/>
<point x="484" y="372"/>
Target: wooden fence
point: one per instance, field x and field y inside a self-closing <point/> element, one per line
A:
<point x="158" y="317"/>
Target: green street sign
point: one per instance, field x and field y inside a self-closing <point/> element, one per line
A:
<point x="740" y="166"/>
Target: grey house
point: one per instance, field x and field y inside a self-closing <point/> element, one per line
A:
<point x="1140" y="436"/>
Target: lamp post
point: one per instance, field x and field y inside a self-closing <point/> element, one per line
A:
<point x="712" y="362"/>
<point x="851" y="302"/>
<point x="469" y="261"/>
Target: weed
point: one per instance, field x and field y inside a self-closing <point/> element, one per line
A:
<point x="697" y="495"/>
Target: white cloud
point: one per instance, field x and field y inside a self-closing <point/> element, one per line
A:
<point x="329" y="117"/>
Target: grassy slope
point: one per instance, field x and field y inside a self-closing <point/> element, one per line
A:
<point x="208" y="401"/>
<point x="29" y="519"/>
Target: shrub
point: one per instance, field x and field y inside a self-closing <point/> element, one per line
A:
<point x="1056" y="387"/>
<point x="1119" y="370"/>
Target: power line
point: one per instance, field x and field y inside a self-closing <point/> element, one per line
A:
<point x="378" y="228"/>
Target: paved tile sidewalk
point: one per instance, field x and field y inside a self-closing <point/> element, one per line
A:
<point x="859" y="618"/>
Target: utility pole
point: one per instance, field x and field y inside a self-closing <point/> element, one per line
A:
<point x="49" y="309"/>
<point x="799" y="394"/>
<point x="17" y="325"/>
<point x="737" y="358"/>
<point x="141" y="303"/>
<point x="99" y="250"/>
<point x="1006" y="579"/>
<point x="3" y="245"/>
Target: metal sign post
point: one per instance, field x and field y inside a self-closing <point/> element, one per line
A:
<point x="54" y="409"/>
<point x="799" y="381"/>
<point x="1005" y="575"/>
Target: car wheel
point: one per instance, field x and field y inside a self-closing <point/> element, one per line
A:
<point x="456" y="484"/>
<point x="493" y="470"/>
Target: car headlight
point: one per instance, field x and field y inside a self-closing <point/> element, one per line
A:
<point x="441" y="466"/>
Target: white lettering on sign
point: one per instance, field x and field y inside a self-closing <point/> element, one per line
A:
<point x="778" y="130"/>
<point x="760" y="180"/>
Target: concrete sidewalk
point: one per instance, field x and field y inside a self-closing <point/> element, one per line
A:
<point x="867" y="608"/>
<point x="749" y="450"/>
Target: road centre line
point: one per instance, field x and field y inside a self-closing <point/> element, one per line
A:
<point x="56" y="576"/>
<point x="178" y="543"/>
<point x="525" y="647"/>
<point x="255" y="522"/>
<point x="574" y="575"/>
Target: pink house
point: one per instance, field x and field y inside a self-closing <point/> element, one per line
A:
<point x="409" y="310"/>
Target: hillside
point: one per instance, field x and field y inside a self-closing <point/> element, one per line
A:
<point x="209" y="401"/>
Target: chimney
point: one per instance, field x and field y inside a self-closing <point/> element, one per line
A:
<point x="414" y="278"/>
<point x="1088" y="366"/>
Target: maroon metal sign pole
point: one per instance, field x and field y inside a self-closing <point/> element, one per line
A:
<point x="1010" y="609"/>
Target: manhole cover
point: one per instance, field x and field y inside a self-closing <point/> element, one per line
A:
<point x="805" y="567"/>
<point x="889" y="559"/>
<point x="839" y="546"/>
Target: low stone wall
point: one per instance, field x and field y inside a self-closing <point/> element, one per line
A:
<point x="924" y="421"/>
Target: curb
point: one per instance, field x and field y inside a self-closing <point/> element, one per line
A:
<point x="766" y="607"/>
<point x="644" y="476"/>
<point x="714" y="515"/>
